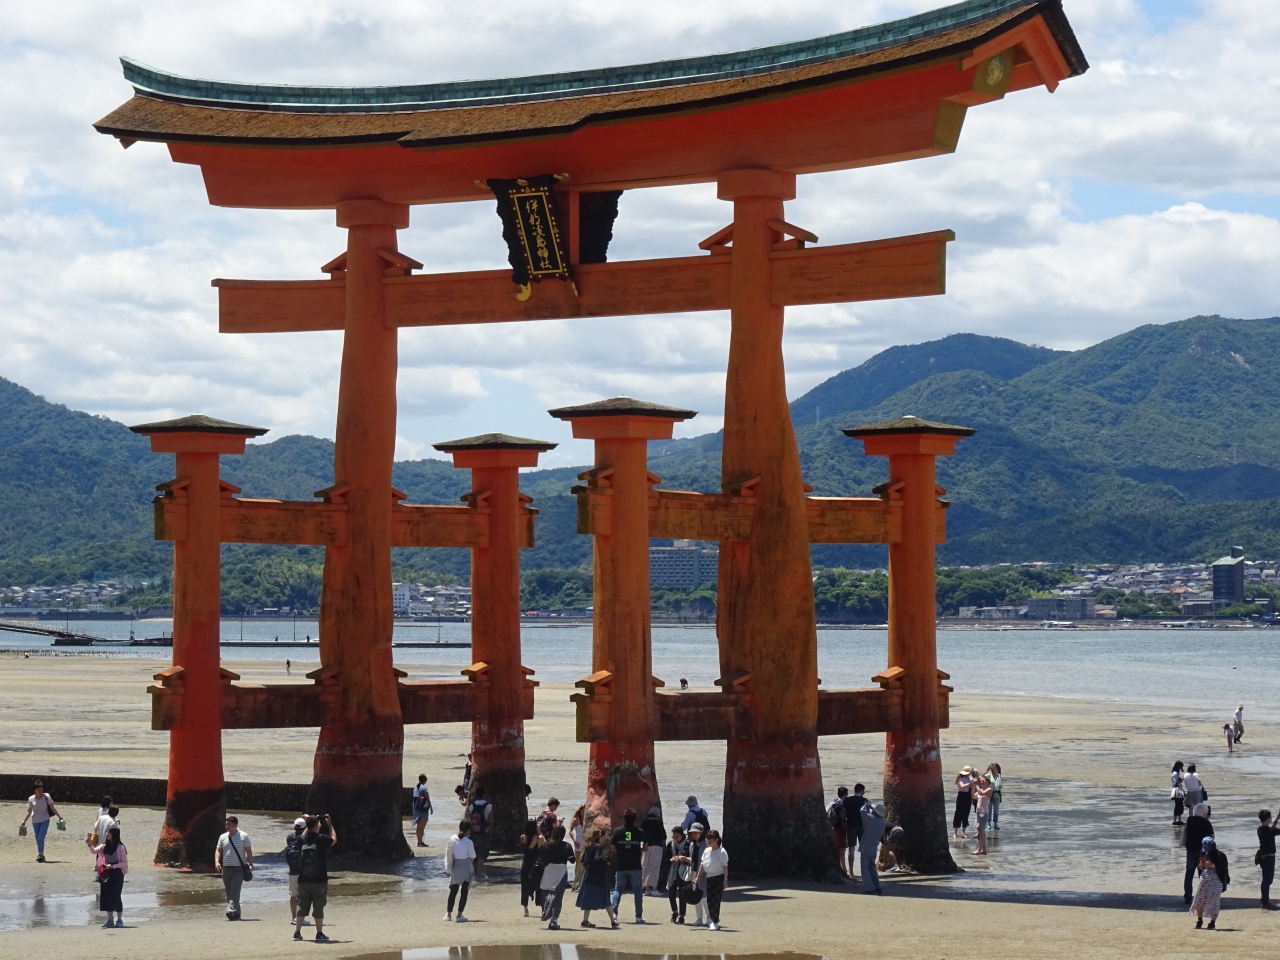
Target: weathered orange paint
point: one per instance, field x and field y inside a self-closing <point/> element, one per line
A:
<point x="195" y="799"/>
<point x="913" y="787"/>
<point x="622" y="772"/>
<point x="358" y="762"/>
<point x="497" y="739"/>
<point x="765" y="620"/>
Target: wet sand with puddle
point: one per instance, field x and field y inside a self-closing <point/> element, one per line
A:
<point x="1086" y="863"/>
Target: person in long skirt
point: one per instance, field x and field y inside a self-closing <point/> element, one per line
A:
<point x="554" y="859"/>
<point x="593" y="891"/>
<point x="714" y="869"/>
<point x="112" y="865"/>
<point x="964" y="801"/>
<point x="1214" y="878"/>
<point x="530" y="846"/>
<point x="459" y="863"/>
<point x="576" y="826"/>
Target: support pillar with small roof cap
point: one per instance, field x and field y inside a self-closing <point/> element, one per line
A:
<point x="621" y="773"/>
<point x="913" y="788"/>
<point x="497" y="739"/>
<point x="195" y="800"/>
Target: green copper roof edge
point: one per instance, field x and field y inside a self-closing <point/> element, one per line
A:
<point x="322" y="99"/>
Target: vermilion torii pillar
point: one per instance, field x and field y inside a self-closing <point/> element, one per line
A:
<point x="913" y="787"/>
<point x="357" y="775"/>
<point x="622" y="774"/>
<point x="497" y="740"/>
<point x="195" y="800"/>
<point x="766" y="623"/>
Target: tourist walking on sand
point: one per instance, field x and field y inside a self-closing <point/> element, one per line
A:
<point x="680" y="872"/>
<point x="481" y="812"/>
<point x="1177" y="792"/>
<point x="459" y="863"/>
<point x="982" y="793"/>
<point x="593" y="893"/>
<point x="1193" y="835"/>
<point x="655" y="836"/>
<point x="40" y="810"/>
<point x="422" y="808"/>
<point x="548" y="818"/>
<point x="628" y="851"/>
<point x="1194" y="787"/>
<point x="233" y="858"/>
<point x="873" y="831"/>
<point x="530" y="842"/>
<point x="576" y="826"/>
<point x="111" y="866"/>
<point x="313" y="874"/>
<point x="837" y="820"/>
<point x="1214" y="878"/>
<point x="714" y="871"/>
<point x="554" y="859"/>
<point x="996" y="778"/>
<point x="853" y="810"/>
<point x="293" y="860"/>
<point x="697" y="887"/>
<point x="1231" y="737"/>
<point x="964" y="800"/>
<point x="107" y="818"/>
<point x="1237" y="723"/>
<point x="1267" y="855"/>
<point x="695" y="815"/>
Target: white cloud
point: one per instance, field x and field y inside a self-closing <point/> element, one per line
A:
<point x="106" y="255"/>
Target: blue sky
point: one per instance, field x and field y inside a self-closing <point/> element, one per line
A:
<point x="1145" y="191"/>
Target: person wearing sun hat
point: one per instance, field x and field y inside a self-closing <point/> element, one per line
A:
<point x="873" y="831"/>
<point x="697" y="888"/>
<point x="964" y="800"/>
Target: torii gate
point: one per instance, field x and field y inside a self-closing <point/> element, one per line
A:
<point x="748" y="122"/>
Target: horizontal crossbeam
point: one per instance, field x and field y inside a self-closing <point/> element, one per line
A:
<point x="699" y="715"/>
<point x="685" y="515"/>
<point x="323" y="524"/>
<point x="913" y="266"/>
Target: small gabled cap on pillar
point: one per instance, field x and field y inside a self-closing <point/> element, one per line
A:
<point x="909" y="435"/>
<point x="622" y="418"/>
<point x="197" y="434"/>
<point x="495" y="450"/>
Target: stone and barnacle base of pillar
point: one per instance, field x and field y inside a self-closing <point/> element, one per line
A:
<point x="915" y="800"/>
<point x="775" y="824"/>
<point x="193" y="821"/>
<point x="358" y="780"/>
<point x="614" y="788"/>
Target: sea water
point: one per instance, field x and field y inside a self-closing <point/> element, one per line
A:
<point x="1140" y="666"/>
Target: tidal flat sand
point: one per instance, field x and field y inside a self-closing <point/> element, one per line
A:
<point x="1086" y="863"/>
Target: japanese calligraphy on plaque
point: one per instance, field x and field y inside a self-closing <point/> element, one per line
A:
<point x="536" y="246"/>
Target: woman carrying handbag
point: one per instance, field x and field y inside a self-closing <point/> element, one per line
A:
<point x="111" y="867"/>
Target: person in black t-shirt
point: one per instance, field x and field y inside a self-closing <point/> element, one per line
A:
<point x="628" y="850"/>
<point x="1198" y="827"/>
<point x="313" y="873"/>
<point x="655" y="835"/>
<point x="1267" y="855"/>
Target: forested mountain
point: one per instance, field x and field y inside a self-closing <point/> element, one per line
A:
<point x="1162" y="443"/>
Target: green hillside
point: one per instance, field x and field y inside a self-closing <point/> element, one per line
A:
<point x="1162" y="443"/>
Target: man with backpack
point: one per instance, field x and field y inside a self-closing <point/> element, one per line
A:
<point x="293" y="859"/>
<point x="313" y="874"/>
<point x="695" y="815"/>
<point x="481" y="813"/>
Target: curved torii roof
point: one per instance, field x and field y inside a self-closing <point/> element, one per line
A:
<point x="873" y="95"/>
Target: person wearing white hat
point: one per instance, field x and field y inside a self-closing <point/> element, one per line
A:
<point x="293" y="858"/>
<point x="873" y="829"/>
